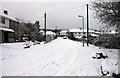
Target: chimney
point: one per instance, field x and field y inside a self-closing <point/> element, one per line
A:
<point x="6" y="12"/>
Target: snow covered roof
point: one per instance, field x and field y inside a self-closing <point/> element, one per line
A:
<point x="97" y="32"/>
<point x="50" y="33"/>
<point x="7" y="29"/>
<point x="113" y="32"/>
<point x="6" y="16"/>
<point x="80" y="30"/>
<point x="85" y="30"/>
<point x="41" y="31"/>
<point x="75" y="30"/>
<point x="64" y="31"/>
<point x="94" y="35"/>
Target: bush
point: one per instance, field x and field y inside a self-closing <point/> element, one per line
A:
<point x="99" y="42"/>
<point x="72" y="38"/>
<point x="111" y="41"/>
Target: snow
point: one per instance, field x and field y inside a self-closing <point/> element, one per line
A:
<point x="60" y="57"/>
<point x="9" y="17"/>
<point x="64" y="31"/>
<point x="78" y="37"/>
<point x="6" y="29"/>
<point x="94" y="35"/>
<point x="41" y="31"/>
<point x="50" y="33"/>
<point x="81" y="30"/>
<point x="113" y="32"/>
<point x="75" y="30"/>
<point x="97" y="32"/>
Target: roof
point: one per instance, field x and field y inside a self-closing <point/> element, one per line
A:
<point x="113" y="32"/>
<point x="94" y="35"/>
<point x="85" y="30"/>
<point x="75" y="30"/>
<point x="64" y="31"/>
<point x="41" y="31"/>
<point x="80" y="30"/>
<point x="8" y="17"/>
<point x="7" y="29"/>
<point x="50" y="33"/>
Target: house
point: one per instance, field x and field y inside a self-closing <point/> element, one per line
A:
<point x="98" y="32"/>
<point x="110" y="32"/>
<point x="78" y="33"/>
<point x="9" y="28"/>
<point x="75" y="32"/>
<point x="113" y="32"/>
<point x="64" y="33"/>
<point x="91" y="31"/>
<point x="50" y="36"/>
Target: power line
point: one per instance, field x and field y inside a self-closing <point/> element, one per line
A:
<point x="64" y="10"/>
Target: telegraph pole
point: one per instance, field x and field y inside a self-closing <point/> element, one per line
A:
<point x="87" y="26"/>
<point x="45" y="25"/>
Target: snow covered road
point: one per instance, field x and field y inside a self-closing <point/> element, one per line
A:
<point x="61" y="57"/>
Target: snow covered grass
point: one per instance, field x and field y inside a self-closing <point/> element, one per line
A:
<point x="61" y="57"/>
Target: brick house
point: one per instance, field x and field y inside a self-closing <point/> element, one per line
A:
<point x="9" y="28"/>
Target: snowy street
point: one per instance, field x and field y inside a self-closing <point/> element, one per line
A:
<point x="60" y="57"/>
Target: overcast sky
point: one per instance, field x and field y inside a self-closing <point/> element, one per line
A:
<point x="60" y="13"/>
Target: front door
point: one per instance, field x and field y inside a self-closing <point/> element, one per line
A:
<point x="6" y="37"/>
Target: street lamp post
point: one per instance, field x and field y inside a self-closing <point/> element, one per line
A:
<point x="83" y="28"/>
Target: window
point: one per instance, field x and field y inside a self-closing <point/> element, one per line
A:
<point x="16" y="24"/>
<point x="11" y="35"/>
<point x="12" y="23"/>
<point x="3" y="20"/>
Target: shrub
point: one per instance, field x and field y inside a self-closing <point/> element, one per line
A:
<point x="111" y="41"/>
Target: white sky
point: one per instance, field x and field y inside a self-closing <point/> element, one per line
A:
<point x="45" y="0"/>
<point x="60" y="13"/>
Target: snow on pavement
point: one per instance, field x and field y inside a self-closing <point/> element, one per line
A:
<point x="61" y="57"/>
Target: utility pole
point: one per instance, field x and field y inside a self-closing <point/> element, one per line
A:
<point x="45" y="25"/>
<point x="87" y="26"/>
<point x="56" y="27"/>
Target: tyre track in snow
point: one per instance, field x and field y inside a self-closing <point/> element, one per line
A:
<point x="61" y="57"/>
<point x="49" y="61"/>
<point x="57" y="63"/>
<point x="69" y="62"/>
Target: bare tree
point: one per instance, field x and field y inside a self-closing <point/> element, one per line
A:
<point x="108" y="12"/>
